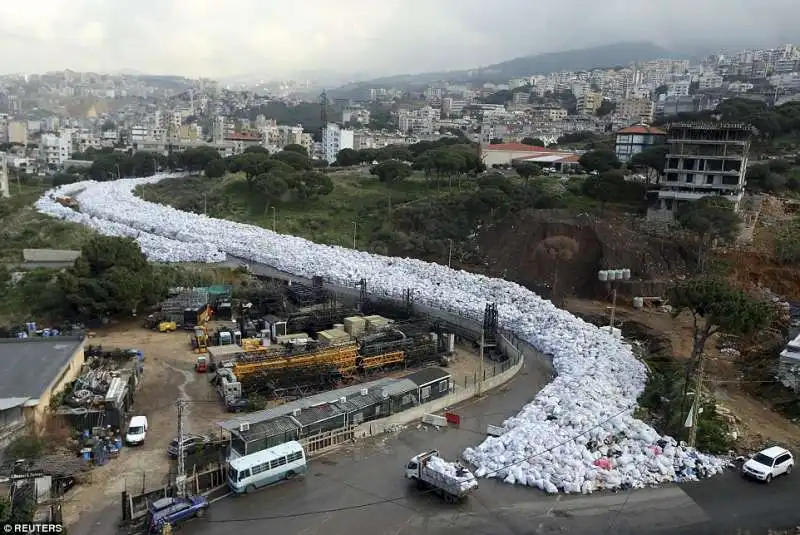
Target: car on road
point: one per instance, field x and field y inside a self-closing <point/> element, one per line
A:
<point x="174" y="511"/>
<point x="191" y="444"/>
<point x="768" y="464"/>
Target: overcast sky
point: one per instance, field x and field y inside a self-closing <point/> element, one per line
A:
<point x="220" y="38"/>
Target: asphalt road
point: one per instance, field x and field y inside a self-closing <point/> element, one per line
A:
<point x="329" y="500"/>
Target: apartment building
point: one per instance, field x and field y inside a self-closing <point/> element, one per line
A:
<point x="704" y="159"/>
<point x="589" y="102"/>
<point x="637" y="109"/>
<point x="18" y="132"/>
<point x="54" y="150"/>
<point x="335" y="139"/>
<point x="355" y="116"/>
<point x="630" y="141"/>
<point x="418" y="122"/>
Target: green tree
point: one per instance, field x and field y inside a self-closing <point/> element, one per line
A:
<point x="527" y="170"/>
<point x="273" y="186"/>
<point x="111" y="277"/>
<point x="715" y="306"/>
<point x="311" y="184"/>
<point x="605" y="108"/>
<point x="391" y="171"/>
<point x="252" y="165"/>
<point x="347" y="158"/>
<point x="608" y="186"/>
<point x="600" y="161"/>
<point x="532" y="141"/>
<point x="293" y="159"/>
<point x="294" y="147"/>
<point x="216" y="168"/>
<point x="710" y="219"/>
<point x="257" y="149"/>
<point x="653" y="159"/>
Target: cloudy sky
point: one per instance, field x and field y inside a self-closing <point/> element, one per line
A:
<point x="221" y="38"/>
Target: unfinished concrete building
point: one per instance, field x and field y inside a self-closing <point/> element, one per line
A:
<point x="4" y="175"/>
<point x="704" y="159"/>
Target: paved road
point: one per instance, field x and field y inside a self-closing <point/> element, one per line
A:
<point x="372" y="471"/>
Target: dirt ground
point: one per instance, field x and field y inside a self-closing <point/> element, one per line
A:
<point x="169" y="374"/>
<point x="756" y="422"/>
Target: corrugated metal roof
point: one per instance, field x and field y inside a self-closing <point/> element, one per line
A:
<point x="10" y="403"/>
<point x="428" y="375"/>
<point x="320" y="413"/>
<point x="50" y="255"/>
<point x="278" y="426"/>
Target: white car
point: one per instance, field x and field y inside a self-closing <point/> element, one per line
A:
<point x="768" y="464"/>
<point x="137" y="430"/>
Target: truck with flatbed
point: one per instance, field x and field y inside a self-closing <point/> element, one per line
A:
<point x="452" y="481"/>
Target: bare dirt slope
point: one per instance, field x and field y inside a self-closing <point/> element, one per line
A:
<point x="511" y="252"/>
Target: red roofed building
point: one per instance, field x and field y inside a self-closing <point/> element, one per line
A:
<point x="505" y="153"/>
<point x="634" y="139"/>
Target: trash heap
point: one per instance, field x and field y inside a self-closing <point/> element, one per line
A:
<point x="578" y="435"/>
<point x="455" y="473"/>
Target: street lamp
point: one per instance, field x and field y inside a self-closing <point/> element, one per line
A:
<point x="118" y="173"/>
<point x="355" y="233"/>
<point x="610" y="276"/>
<point x="274" y="220"/>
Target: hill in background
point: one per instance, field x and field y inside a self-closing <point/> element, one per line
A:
<point x="619" y="54"/>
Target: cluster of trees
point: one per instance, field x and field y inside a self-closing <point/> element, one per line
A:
<point x="447" y="157"/>
<point x="108" y="164"/>
<point x="286" y="175"/>
<point x="774" y="176"/>
<point x="111" y="277"/>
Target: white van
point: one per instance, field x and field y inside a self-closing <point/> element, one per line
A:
<point x="137" y="430"/>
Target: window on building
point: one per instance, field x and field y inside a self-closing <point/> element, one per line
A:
<point x="690" y="178"/>
<point x="425" y="393"/>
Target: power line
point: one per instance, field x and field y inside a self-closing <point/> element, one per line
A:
<point x="422" y="493"/>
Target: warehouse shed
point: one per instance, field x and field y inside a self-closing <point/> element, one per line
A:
<point x="266" y="434"/>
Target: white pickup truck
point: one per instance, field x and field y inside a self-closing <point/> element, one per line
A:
<point x="451" y="481"/>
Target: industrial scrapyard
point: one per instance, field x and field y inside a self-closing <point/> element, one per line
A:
<point x="577" y="435"/>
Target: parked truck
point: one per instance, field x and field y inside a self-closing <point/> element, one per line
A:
<point x="452" y="481"/>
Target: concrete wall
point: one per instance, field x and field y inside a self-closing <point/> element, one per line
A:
<point x="36" y="416"/>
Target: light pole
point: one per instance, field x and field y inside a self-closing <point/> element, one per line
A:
<point x="118" y="173"/>
<point x="450" y="253"/>
<point x="355" y="233"/>
<point x="155" y="167"/>
<point x="274" y="220"/>
<point x="610" y="276"/>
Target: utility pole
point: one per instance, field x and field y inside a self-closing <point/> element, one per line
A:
<point x="274" y="220"/>
<point x="355" y="232"/>
<point x="180" y="479"/>
<point x="450" y="254"/>
<point x="205" y="204"/>
<point x="479" y="388"/>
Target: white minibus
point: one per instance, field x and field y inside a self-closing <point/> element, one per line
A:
<point x="248" y="473"/>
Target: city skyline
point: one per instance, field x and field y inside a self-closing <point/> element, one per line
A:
<point x="352" y="36"/>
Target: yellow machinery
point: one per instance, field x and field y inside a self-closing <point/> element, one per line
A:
<point x="199" y="340"/>
<point x="250" y="345"/>
<point x="167" y="326"/>
<point x="344" y="358"/>
<point x="205" y="315"/>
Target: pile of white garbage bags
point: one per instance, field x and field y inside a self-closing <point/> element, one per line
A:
<point x="578" y="435"/>
<point x="456" y="474"/>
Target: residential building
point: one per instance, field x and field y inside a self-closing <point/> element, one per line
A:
<point x="418" y="122"/>
<point x="710" y="81"/>
<point x="18" y="132"/>
<point x="632" y="140"/>
<point x="242" y="140"/>
<point x="504" y="154"/>
<point x="4" y="127"/>
<point x="638" y="109"/>
<point x="54" y="150"/>
<point x="679" y="89"/>
<point x="355" y="116"/>
<point x="521" y="97"/>
<point x="32" y="371"/>
<point x="704" y="159"/>
<point x="556" y="160"/>
<point x="335" y="139"/>
<point x="589" y="102"/>
<point x="789" y="365"/>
